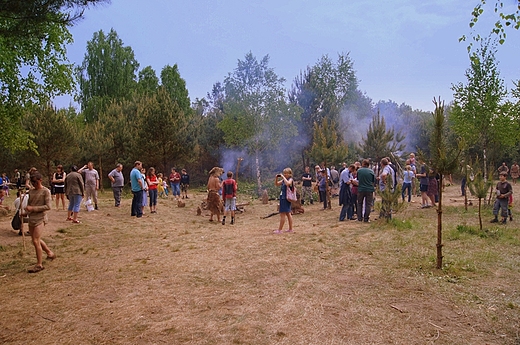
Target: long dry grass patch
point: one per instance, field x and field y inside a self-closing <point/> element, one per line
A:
<point x="175" y="278"/>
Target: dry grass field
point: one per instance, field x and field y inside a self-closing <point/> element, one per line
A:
<point x="175" y="278"/>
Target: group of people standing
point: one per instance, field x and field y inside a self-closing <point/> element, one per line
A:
<point x="147" y="185"/>
<point x="227" y="189"/>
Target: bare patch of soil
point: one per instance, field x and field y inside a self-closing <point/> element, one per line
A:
<point x="175" y="278"/>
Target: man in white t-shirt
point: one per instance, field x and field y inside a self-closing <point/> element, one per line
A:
<point x="91" y="177"/>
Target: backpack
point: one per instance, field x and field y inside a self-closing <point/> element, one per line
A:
<point x="228" y="188"/>
<point x="16" y="222"/>
<point x="394" y="176"/>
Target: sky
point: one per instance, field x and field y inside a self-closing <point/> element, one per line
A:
<point x="407" y="51"/>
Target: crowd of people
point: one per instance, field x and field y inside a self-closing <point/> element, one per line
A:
<point x="355" y="186"/>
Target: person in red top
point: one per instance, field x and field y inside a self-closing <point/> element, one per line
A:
<point x="175" y="183"/>
<point x="152" y="182"/>
<point x="229" y="195"/>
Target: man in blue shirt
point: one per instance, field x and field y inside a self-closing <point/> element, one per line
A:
<point x="137" y="189"/>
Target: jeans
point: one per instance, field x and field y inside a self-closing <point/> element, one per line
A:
<point x="364" y="199"/>
<point x="347" y="210"/>
<point x="153" y="196"/>
<point x="323" y="197"/>
<point x="137" y="203"/>
<point x="407" y="185"/>
<point x="75" y="202"/>
<point x="500" y="204"/>
<point x="117" y="194"/>
<point x="176" y="189"/>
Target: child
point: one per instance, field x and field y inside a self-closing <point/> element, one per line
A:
<point x="165" y="186"/>
<point x="160" y="186"/>
<point x="185" y="183"/>
<point x="503" y="190"/>
<point x="229" y="195"/>
<point x="5" y="183"/>
<point x="408" y="177"/>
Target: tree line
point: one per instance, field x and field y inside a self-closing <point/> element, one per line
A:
<point x="127" y="114"/>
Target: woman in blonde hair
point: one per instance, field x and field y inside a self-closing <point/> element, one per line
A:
<point x="286" y="181"/>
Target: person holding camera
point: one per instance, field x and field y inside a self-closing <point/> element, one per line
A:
<point x="284" y="180"/>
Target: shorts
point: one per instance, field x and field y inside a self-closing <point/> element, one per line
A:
<point x="423" y="188"/>
<point x="230" y="204"/>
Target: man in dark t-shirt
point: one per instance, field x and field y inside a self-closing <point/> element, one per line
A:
<point x="307" y="186"/>
<point x="366" y="179"/>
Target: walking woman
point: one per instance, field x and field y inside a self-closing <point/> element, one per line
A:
<point x="284" y="180"/>
<point x="37" y="206"/>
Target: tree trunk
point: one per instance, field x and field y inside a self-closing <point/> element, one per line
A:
<point x="327" y="189"/>
<point x="480" y="213"/>
<point x="466" y="195"/>
<point x="257" y="167"/>
<point x="491" y="192"/>
<point x="439" y="227"/>
<point x="100" y="174"/>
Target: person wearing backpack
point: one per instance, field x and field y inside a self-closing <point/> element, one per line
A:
<point x="229" y="195"/>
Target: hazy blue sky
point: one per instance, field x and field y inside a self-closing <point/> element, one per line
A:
<point x="403" y="50"/>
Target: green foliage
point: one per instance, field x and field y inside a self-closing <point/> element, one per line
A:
<point x="31" y="18"/>
<point x="444" y="159"/>
<point x="326" y="145"/>
<point x="117" y="124"/>
<point x="162" y="130"/>
<point x="381" y="142"/>
<point x="54" y="136"/>
<point x="256" y="115"/>
<point x="175" y="86"/>
<point x="148" y="82"/>
<point x="107" y="73"/>
<point x="33" y="69"/>
<point x="505" y="19"/>
<point x="322" y="91"/>
<point x="401" y="224"/>
<point x="479" y="114"/>
<point x="466" y="229"/>
<point x="390" y="198"/>
<point x="479" y="188"/>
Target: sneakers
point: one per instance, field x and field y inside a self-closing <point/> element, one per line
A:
<point x="494" y="220"/>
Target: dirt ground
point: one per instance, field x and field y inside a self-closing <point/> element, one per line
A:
<point x="175" y="278"/>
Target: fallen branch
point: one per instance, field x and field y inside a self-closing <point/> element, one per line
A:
<point x="396" y="308"/>
<point x="434" y="325"/>
<point x="270" y="215"/>
<point x="46" y="318"/>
